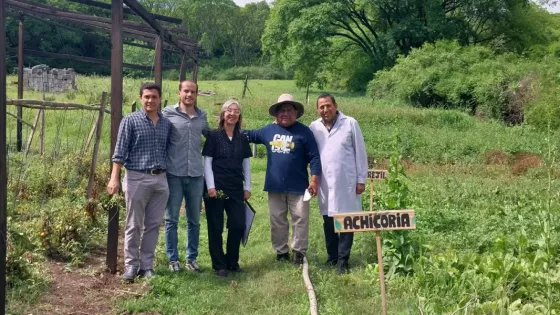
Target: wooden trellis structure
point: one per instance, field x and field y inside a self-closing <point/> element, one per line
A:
<point x="43" y="105"/>
<point x="154" y="37"/>
<point x="121" y="31"/>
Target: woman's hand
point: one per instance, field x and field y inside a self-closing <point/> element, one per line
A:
<point x="246" y="194"/>
<point x="212" y="193"/>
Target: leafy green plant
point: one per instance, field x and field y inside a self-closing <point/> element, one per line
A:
<point x="66" y="229"/>
<point x="398" y="247"/>
<point x="220" y="194"/>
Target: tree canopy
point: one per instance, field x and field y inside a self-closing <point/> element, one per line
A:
<point x="313" y="36"/>
<point x="228" y="35"/>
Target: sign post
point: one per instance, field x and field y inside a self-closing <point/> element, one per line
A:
<point x="382" y="220"/>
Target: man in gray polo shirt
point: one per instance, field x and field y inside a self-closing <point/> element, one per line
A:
<point x="185" y="173"/>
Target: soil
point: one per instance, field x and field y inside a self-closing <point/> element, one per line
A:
<point x="496" y="157"/>
<point x="524" y="161"/>
<point x="89" y="289"/>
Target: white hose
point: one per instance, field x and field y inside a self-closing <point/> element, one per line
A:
<point x="309" y="286"/>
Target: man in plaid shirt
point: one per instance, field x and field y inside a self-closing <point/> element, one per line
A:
<point x="142" y="149"/>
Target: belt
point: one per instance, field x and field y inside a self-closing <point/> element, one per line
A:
<point x="155" y="171"/>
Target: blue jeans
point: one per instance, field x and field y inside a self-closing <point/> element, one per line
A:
<point x="191" y="188"/>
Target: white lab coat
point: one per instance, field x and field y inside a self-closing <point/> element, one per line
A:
<point x="345" y="164"/>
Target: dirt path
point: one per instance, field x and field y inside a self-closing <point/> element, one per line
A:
<point x="89" y="289"/>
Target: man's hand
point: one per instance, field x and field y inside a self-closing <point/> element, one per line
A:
<point x="360" y="188"/>
<point x="313" y="185"/>
<point x="313" y="188"/>
<point x="212" y="193"/>
<point x="246" y="194"/>
<point x="113" y="186"/>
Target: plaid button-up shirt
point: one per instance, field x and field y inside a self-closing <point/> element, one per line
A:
<point x="140" y="145"/>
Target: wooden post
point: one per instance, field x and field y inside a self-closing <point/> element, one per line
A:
<point x="183" y="69"/>
<point x="307" y="95"/>
<point x="380" y="220"/>
<point x="116" y="116"/>
<point x="134" y="107"/>
<point x="42" y="132"/>
<point x="30" y="139"/>
<point x="22" y="121"/>
<point x="3" y="166"/>
<point x="158" y="63"/>
<point x="90" y="136"/>
<point x="379" y="255"/>
<point x="19" y="128"/>
<point x="96" y="145"/>
<point x="245" y="86"/>
<point x="195" y="71"/>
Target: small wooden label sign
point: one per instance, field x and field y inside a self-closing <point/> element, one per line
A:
<point x="377" y="174"/>
<point x="383" y="220"/>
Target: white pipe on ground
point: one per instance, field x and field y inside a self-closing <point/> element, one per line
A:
<point x="309" y="286"/>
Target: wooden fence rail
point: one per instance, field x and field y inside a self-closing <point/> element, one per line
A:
<point x="38" y="104"/>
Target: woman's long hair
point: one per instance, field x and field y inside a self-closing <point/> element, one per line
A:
<point x="225" y="107"/>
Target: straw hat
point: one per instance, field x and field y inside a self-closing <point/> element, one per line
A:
<point x="286" y="99"/>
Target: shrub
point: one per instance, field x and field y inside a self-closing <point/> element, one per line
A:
<point x="472" y="79"/>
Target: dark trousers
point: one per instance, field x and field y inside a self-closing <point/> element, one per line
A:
<point x="338" y="245"/>
<point x="235" y="209"/>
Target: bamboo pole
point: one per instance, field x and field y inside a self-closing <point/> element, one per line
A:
<point x="30" y="139"/>
<point x="90" y="136"/>
<point x="20" y="120"/>
<point x="51" y="104"/>
<point x="96" y="146"/>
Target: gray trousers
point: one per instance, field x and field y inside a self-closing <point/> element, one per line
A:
<point x="278" y="205"/>
<point x="146" y="197"/>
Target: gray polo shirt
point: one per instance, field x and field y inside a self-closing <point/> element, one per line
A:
<point x="184" y="156"/>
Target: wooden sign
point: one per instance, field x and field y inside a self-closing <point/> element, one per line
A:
<point x="377" y="221"/>
<point x="377" y="174"/>
<point x="382" y="220"/>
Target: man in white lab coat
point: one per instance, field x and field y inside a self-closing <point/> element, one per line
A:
<point x="344" y="171"/>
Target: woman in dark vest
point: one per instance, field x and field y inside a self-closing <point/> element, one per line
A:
<point x="227" y="172"/>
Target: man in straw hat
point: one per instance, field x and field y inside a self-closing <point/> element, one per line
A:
<point x="291" y="147"/>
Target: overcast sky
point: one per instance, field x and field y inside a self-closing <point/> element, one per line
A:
<point x="554" y="9"/>
<point x="243" y="2"/>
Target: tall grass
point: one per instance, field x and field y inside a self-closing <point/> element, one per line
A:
<point x="485" y="246"/>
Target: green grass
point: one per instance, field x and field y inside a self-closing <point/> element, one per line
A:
<point x="429" y="135"/>
<point x="482" y="241"/>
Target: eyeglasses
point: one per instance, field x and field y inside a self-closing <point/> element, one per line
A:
<point x="233" y="111"/>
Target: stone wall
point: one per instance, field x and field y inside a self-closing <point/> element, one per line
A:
<point x="42" y="78"/>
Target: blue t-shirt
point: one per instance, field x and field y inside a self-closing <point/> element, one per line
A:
<point x="289" y="151"/>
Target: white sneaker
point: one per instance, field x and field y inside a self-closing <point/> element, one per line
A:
<point x="192" y="266"/>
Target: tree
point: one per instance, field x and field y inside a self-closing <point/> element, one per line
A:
<point x="243" y="31"/>
<point x="300" y="34"/>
